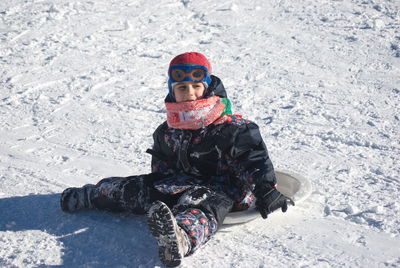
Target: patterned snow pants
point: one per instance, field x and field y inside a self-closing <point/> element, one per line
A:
<point x="198" y="210"/>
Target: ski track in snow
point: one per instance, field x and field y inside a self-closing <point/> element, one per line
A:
<point x="81" y="90"/>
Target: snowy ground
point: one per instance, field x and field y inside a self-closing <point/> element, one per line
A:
<point x="81" y="90"/>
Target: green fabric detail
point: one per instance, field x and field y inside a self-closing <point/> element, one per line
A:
<point x="228" y="106"/>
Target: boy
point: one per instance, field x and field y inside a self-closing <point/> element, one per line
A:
<point x="206" y="162"/>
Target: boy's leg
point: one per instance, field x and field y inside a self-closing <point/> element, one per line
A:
<point x="122" y="194"/>
<point x="199" y="212"/>
<point x="118" y="194"/>
<point x="191" y="223"/>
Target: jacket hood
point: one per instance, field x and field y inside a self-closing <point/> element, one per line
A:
<point x="216" y="88"/>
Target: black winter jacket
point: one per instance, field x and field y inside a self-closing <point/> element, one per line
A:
<point x="229" y="157"/>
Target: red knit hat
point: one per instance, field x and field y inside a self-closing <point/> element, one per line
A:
<point x="191" y="58"/>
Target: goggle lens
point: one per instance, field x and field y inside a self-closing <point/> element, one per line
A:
<point x="178" y="75"/>
<point x="198" y="74"/>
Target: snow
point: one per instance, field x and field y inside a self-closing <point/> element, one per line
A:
<point x="82" y="85"/>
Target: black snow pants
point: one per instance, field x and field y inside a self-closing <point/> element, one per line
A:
<point x="198" y="211"/>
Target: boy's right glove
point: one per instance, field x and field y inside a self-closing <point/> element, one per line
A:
<point x="270" y="199"/>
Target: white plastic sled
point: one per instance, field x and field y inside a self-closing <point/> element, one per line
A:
<point x="290" y="184"/>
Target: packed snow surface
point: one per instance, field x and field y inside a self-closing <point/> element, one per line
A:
<point x="82" y="85"/>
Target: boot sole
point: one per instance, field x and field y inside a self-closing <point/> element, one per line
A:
<point x="161" y="224"/>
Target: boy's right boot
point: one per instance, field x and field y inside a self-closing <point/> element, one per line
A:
<point x="173" y="242"/>
<point x="75" y="199"/>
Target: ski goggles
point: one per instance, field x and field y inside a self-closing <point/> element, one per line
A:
<point x="179" y="73"/>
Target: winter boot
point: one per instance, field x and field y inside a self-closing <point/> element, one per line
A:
<point x="75" y="199"/>
<point x="173" y="242"/>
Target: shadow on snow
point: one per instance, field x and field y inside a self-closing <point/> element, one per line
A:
<point x="94" y="238"/>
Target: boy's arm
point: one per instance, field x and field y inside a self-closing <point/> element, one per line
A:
<point x="160" y="161"/>
<point x="250" y="154"/>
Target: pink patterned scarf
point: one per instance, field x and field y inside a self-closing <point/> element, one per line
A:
<point x="198" y="113"/>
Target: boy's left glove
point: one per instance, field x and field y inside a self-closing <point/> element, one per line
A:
<point x="270" y="199"/>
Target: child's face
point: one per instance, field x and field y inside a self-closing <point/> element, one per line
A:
<point x="188" y="91"/>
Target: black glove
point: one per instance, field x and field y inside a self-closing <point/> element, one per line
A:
<point x="270" y="199"/>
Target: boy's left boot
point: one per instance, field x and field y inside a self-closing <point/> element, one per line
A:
<point x="173" y="242"/>
<point x="76" y="199"/>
